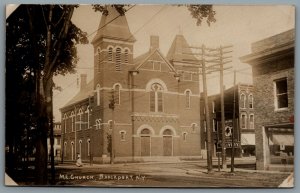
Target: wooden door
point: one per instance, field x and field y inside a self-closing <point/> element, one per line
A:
<point x="145" y="145"/>
<point x="167" y="145"/>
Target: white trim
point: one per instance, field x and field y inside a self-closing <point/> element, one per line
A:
<point x="156" y="80"/>
<point x="145" y="126"/>
<point x="165" y="128"/>
<point x="117" y="41"/>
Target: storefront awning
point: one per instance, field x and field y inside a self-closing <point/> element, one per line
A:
<point x="248" y="139"/>
<point x="277" y="139"/>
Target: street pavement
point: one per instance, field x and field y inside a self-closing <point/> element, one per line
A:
<point x="168" y="174"/>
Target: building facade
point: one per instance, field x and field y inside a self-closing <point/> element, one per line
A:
<point x="272" y="61"/>
<point x="156" y="101"/>
<point x="244" y="136"/>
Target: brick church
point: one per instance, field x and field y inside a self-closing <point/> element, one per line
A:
<point x="156" y="112"/>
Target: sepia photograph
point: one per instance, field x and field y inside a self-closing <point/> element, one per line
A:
<point x="156" y="95"/>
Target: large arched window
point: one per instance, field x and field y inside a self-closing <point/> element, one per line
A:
<point x="117" y="94"/>
<point x="156" y="98"/>
<point x="251" y="121"/>
<point x="168" y="132"/>
<point x="87" y="118"/>
<point x="110" y="54"/>
<point x="65" y="122"/>
<point x="73" y="121"/>
<point x="118" y="59"/>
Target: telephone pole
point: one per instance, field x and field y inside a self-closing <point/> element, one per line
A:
<point x="233" y="123"/>
<point x="220" y="60"/>
<point x="112" y="136"/>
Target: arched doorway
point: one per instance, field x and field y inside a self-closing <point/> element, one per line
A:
<point x="168" y="142"/>
<point x="145" y="142"/>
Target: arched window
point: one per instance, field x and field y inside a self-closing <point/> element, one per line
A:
<point x="99" y="60"/>
<point x="167" y="132"/>
<point x="118" y="59"/>
<point x="251" y="101"/>
<point x="243" y="121"/>
<point x="98" y="123"/>
<point x="80" y="118"/>
<point x="243" y="101"/>
<point x="80" y="145"/>
<point x="188" y="99"/>
<point x="87" y="119"/>
<point x="145" y="132"/>
<point x="65" y="149"/>
<point x="126" y="56"/>
<point x="110" y="54"/>
<point x="98" y="95"/>
<point x="122" y="135"/>
<point x="156" y="98"/>
<point x="184" y="134"/>
<point x="88" y="147"/>
<point x="73" y="121"/>
<point x="251" y="121"/>
<point x="117" y="94"/>
<point x="194" y="127"/>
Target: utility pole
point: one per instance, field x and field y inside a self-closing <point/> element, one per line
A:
<point x="233" y="123"/>
<point x="207" y="115"/>
<point x="112" y="107"/>
<point x="220" y="60"/>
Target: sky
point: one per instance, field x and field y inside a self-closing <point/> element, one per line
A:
<point x="236" y="25"/>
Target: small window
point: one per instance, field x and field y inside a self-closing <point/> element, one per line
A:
<point x="98" y="123"/>
<point x="184" y="135"/>
<point x="193" y="128"/>
<point x="251" y="101"/>
<point x="110" y="54"/>
<point x="204" y="125"/>
<point x="188" y="99"/>
<point x="243" y="121"/>
<point x="88" y="147"/>
<point x="117" y="94"/>
<point x="118" y="59"/>
<point x="251" y="121"/>
<point x="98" y="95"/>
<point x="243" y="101"/>
<point x="281" y="94"/>
<point x="122" y="135"/>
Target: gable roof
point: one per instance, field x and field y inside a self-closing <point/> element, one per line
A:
<point x="180" y="51"/>
<point x="140" y="60"/>
<point x="82" y="94"/>
<point x="113" y="26"/>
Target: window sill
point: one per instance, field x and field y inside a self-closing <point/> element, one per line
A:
<point x="282" y="109"/>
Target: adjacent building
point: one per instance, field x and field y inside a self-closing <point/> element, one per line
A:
<point x="272" y="61"/>
<point x="57" y="142"/>
<point x="156" y="101"/>
<point x="244" y="136"/>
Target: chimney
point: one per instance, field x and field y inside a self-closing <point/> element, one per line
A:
<point x="154" y="42"/>
<point x="82" y="81"/>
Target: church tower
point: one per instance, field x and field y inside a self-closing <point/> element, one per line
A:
<point x="113" y="58"/>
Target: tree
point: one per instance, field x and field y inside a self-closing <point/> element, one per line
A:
<point x="41" y="43"/>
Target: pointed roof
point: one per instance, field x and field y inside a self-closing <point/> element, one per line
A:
<point x="180" y="50"/>
<point x="113" y="26"/>
<point x="142" y="59"/>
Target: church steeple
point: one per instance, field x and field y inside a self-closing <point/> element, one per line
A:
<point x="113" y="26"/>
